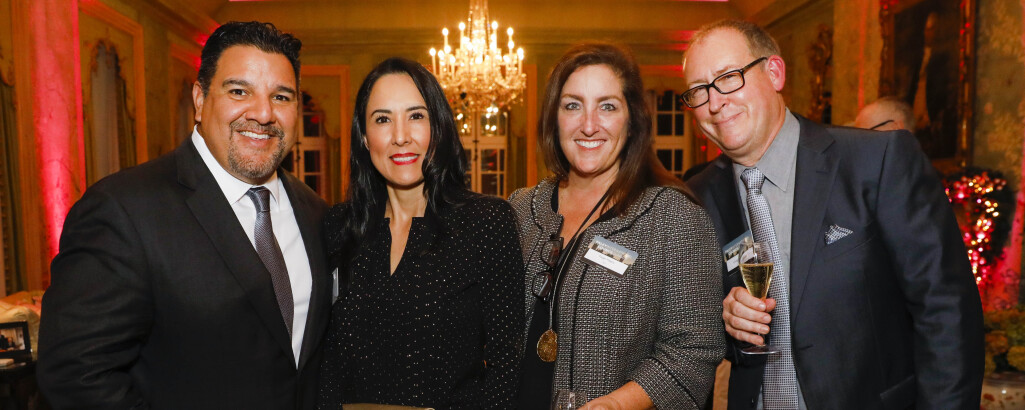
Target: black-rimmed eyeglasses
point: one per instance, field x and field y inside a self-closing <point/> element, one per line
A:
<point x="881" y="124"/>
<point x="726" y="83"/>
<point x="542" y="285"/>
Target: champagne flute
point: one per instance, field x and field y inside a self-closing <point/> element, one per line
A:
<point x="568" y="400"/>
<point x="756" y="270"/>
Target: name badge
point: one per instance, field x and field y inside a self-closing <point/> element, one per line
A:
<point x="731" y="252"/>
<point x="609" y="255"/>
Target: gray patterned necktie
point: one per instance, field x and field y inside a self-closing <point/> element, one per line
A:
<point x="270" y="253"/>
<point x="779" y="387"/>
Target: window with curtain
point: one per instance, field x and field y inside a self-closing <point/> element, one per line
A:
<point x="185" y="114"/>
<point x="671" y="131"/>
<point x="308" y="159"/>
<point x="110" y="144"/>
<point x="485" y="138"/>
<point x="14" y="278"/>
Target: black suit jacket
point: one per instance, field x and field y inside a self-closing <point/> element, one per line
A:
<point x="887" y="317"/>
<point x="159" y="300"/>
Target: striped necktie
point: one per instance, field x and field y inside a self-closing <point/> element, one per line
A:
<point x="270" y="253"/>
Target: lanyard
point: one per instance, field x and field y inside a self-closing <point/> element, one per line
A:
<point x="572" y="248"/>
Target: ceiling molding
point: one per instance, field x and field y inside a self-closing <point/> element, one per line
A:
<point x="523" y="15"/>
<point x="182" y="20"/>
<point x="328" y="40"/>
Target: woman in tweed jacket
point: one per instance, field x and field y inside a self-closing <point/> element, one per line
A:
<point x="653" y="336"/>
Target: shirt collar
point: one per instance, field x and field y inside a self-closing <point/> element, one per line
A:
<point x="233" y="188"/>
<point x="778" y="161"/>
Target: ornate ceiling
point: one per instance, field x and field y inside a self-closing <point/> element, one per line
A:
<point x="334" y="24"/>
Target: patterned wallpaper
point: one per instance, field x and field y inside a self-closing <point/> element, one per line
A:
<point x="1000" y="84"/>
<point x="1000" y="124"/>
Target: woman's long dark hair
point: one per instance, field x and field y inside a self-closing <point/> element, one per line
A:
<point x="639" y="168"/>
<point x="444" y="165"/>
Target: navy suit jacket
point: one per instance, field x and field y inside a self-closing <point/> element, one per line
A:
<point x="159" y="300"/>
<point x="887" y="317"/>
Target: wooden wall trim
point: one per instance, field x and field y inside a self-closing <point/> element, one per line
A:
<point x="180" y="18"/>
<point x="187" y="55"/>
<point x="119" y="21"/>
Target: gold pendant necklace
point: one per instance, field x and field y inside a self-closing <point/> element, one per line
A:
<point x="548" y="343"/>
<point x="548" y="346"/>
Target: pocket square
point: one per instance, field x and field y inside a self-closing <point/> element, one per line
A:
<point x="835" y="233"/>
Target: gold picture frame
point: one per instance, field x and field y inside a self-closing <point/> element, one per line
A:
<point x="928" y="60"/>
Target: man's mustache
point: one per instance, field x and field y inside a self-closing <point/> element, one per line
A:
<point x="253" y="126"/>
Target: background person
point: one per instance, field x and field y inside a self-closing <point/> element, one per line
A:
<point x="886" y="114"/>
<point x="651" y="335"/>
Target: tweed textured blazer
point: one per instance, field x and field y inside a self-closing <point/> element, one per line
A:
<point x="659" y="324"/>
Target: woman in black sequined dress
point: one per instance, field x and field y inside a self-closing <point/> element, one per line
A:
<point x="430" y="311"/>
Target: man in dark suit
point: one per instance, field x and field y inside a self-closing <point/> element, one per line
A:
<point x="197" y="280"/>
<point x="872" y="303"/>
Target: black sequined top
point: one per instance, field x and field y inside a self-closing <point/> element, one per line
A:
<point x="445" y="330"/>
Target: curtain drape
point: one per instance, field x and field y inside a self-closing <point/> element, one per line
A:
<point x="10" y="221"/>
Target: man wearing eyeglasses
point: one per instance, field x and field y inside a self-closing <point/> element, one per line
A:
<point x="872" y="304"/>
<point x="884" y="114"/>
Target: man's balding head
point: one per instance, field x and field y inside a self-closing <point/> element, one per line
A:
<point x="734" y="76"/>
<point x="887" y="113"/>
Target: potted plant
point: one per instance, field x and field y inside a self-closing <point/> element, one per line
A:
<point x="1004" y="384"/>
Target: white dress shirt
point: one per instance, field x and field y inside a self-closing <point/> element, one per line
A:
<point x="286" y="231"/>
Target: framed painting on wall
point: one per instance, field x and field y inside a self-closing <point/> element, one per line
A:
<point x="928" y="61"/>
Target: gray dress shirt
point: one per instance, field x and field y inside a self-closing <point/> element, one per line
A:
<point x="779" y="165"/>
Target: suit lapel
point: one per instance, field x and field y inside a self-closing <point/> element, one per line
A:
<point x="310" y="228"/>
<point x="816" y="171"/>
<point x="218" y="220"/>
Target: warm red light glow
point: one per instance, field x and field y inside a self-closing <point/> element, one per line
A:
<point x="57" y="110"/>
<point x="1012" y="251"/>
<point x="668" y="70"/>
<point x="680" y="35"/>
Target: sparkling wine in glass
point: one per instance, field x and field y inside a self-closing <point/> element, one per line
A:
<point x="756" y="270"/>
<point x="568" y="400"/>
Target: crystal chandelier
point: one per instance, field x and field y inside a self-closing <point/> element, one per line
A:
<point x="479" y="74"/>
